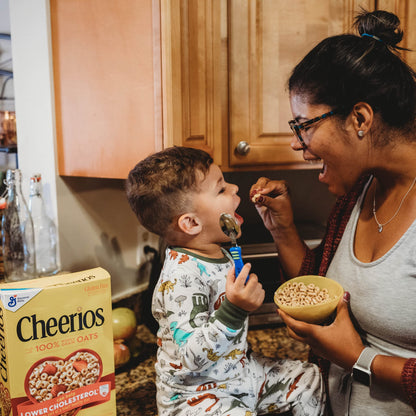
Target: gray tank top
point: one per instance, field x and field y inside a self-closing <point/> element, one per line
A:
<point x="383" y="301"/>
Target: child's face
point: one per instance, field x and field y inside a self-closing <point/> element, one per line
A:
<point x="215" y="197"/>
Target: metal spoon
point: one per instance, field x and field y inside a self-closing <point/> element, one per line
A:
<point x="231" y="228"/>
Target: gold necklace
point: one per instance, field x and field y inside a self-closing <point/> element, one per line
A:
<point x="380" y="226"/>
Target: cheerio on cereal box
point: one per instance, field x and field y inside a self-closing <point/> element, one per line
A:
<point x="56" y="346"/>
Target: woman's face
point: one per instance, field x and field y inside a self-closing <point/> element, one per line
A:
<point x="339" y="149"/>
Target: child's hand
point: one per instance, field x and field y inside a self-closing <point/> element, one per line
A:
<point x="247" y="296"/>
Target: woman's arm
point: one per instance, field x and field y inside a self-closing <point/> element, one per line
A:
<point x="387" y="371"/>
<point x="341" y="344"/>
<point x="292" y="250"/>
<point x="273" y="204"/>
<point x="409" y="381"/>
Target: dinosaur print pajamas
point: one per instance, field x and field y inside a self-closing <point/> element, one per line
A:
<point x="204" y="366"/>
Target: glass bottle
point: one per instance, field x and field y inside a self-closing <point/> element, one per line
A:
<point x="45" y="230"/>
<point x="17" y="232"/>
<point x="3" y="204"/>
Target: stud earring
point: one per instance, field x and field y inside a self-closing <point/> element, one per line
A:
<point x="360" y="133"/>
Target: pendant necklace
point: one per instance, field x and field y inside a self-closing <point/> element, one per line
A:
<point x="380" y="226"/>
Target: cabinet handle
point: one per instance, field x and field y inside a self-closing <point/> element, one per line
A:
<point x="242" y="148"/>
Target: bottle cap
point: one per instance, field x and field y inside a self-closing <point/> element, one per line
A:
<point x="36" y="178"/>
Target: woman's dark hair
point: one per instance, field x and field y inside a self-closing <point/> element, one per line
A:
<point x="343" y="70"/>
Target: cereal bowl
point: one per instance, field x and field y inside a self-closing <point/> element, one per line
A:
<point x="309" y="298"/>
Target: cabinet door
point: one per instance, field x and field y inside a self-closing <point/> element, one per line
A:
<point x="106" y="59"/>
<point x="266" y="40"/>
<point x="194" y="74"/>
<point x="406" y="11"/>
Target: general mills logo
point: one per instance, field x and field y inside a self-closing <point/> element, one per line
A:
<point x="12" y="301"/>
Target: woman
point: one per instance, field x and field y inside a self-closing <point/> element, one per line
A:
<point x="354" y="102"/>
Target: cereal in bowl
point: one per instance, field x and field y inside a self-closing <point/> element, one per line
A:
<point x="299" y="294"/>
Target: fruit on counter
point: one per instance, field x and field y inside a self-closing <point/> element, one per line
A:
<point x="135" y="346"/>
<point x="121" y="354"/>
<point x="124" y="323"/>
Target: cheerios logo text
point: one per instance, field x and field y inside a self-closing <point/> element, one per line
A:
<point x="3" y="358"/>
<point x="30" y="328"/>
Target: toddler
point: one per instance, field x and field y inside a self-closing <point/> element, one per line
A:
<point x="204" y="365"/>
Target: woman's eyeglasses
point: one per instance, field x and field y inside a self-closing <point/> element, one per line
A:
<point x="296" y="128"/>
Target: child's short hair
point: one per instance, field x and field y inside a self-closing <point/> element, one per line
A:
<point x="158" y="187"/>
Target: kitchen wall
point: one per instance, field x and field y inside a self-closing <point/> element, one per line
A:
<point x="96" y="226"/>
<point x="6" y="84"/>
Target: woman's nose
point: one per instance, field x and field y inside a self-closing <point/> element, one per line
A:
<point x="295" y="144"/>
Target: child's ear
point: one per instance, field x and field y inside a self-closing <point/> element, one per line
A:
<point x="189" y="223"/>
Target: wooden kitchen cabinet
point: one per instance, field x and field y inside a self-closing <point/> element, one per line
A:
<point x="266" y="40"/>
<point x="406" y="11"/>
<point x="106" y="61"/>
<point x="225" y="68"/>
<point x="132" y="77"/>
<point x="194" y="75"/>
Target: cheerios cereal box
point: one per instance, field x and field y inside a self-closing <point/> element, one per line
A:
<point x="56" y="346"/>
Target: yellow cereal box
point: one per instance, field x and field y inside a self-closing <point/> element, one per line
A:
<point x="56" y="346"/>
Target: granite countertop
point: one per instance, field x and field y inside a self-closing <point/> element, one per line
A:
<point x="135" y="388"/>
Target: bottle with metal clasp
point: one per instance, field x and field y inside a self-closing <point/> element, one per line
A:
<point x="18" y="238"/>
<point x="44" y="228"/>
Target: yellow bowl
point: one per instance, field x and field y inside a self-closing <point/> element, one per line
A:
<point x="313" y="313"/>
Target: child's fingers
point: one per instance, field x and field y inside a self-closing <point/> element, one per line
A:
<point x="242" y="277"/>
<point x="252" y="281"/>
<point x="230" y="276"/>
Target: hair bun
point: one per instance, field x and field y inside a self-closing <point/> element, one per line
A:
<point x="381" y="24"/>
